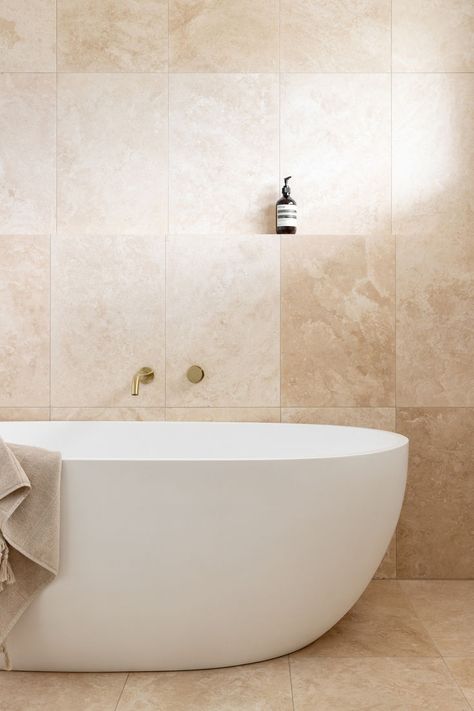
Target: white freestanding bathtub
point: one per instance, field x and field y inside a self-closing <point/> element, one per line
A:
<point x="193" y="545"/>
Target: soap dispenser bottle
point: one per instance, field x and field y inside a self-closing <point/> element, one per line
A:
<point x="286" y="212"/>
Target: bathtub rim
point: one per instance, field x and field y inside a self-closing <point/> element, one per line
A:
<point x="400" y="441"/>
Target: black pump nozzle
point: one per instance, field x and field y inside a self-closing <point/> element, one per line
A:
<point x="286" y="190"/>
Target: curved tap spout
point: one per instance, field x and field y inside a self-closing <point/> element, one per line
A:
<point x="144" y="375"/>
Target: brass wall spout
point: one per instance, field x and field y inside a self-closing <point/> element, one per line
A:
<point x="144" y="375"/>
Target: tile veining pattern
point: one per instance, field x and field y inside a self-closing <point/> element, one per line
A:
<point x="140" y="159"/>
<point x="405" y="645"/>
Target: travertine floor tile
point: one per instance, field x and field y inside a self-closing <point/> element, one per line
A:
<point x="462" y="669"/>
<point x="381" y="624"/>
<point x="446" y="609"/>
<point x="375" y="684"/>
<point x="38" y="691"/>
<point x="262" y="687"/>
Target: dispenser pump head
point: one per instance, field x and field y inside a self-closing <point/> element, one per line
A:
<point x="286" y="190"/>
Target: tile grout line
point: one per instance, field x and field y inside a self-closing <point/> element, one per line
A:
<point x="51" y="240"/>
<point x="441" y="656"/>
<point x="456" y="683"/>
<point x="121" y="693"/>
<point x="279" y="178"/>
<point x="165" y="266"/>
<point x="394" y="242"/>
<point x="291" y="683"/>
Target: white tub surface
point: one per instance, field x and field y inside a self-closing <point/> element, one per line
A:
<point x="194" y="545"/>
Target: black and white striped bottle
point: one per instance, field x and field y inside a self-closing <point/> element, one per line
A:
<point x="286" y="212"/>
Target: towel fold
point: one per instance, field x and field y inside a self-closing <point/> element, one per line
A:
<point x="29" y="528"/>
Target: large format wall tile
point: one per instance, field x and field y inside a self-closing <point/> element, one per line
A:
<point x="27" y="153"/>
<point x="112" y="153"/>
<point x="433" y="153"/>
<point x="380" y="418"/>
<point x="223" y="314"/>
<point x="112" y="35"/>
<point x="435" y="308"/>
<point x="433" y="36"/>
<point x="24" y="321"/>
<point x="328" y="36"/>
<point x="224" y="153"/>
<point x="108" y="413"/>
<point x="223" y="414"/>
<point x="107" y="320"/>
<point x="28" y="36"/>
<point x="13" y="414"/>
<point x="335" y="142"/>
<point x="337" y="321"/>
<point x="224" y="36"/>
<point x="436" y="531"/>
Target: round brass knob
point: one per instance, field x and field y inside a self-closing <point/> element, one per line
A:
<point x="195" y="374"/>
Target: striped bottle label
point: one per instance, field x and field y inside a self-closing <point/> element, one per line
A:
<point x="286" y="215"/>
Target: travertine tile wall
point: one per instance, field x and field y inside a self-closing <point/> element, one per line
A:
<point x="142" y="147"/>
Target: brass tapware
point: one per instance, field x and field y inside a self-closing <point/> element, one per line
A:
<point x="144" y="375"/>
<point x="195" y="374"/>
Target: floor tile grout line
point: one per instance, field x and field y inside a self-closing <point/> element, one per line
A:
<point x="121" y="693"/>
<point x="456" y="683"/>
<point x="291" y="683"/>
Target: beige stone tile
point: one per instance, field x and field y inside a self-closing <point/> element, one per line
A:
<point x="381" y="624"/>
<point x="435" y="537"/>
<point x="446" y="609"/>
<point x="12" y="414"/>
<point x="265" y="687"/>
<point x="462" y="670"/>
<point x="224" y="36"/>
<point x="110" y="289"/>
<point x="27" y="153"/>
<point x="223" y="314"/>
<point x="109" y="413"/>
<point x="328" y="36"/>
<point x="28" y="36"/>
<point x="39" y="691"/>
<point x="223" y="414"/>
<point x="335" y="142"/>
<point x="435" y="303"/>
<point x="24" y="321"/>
<point x="380" y="418"/>
<point x="432" y="36"/>
<point x="338" y="321"/>
<point x="224" y="153"/>
<point x="433" y="154"/>
<point x="112" y="153"/>
<point x="378" y="684"/>
<point x="112" y="35"/>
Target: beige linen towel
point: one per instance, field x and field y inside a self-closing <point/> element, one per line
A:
<point x="29" y="528"/>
